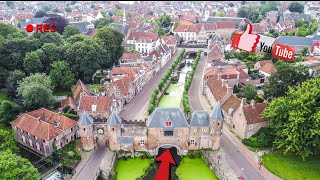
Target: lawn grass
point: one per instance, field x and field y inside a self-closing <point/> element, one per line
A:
<point x="173" y="99"/>
<point x="62" y="93"/>
<point x="132" y="168"/>
<point x="292" y="167"/>
<point x="190" y="169"/>
<point x="94" y="86"/>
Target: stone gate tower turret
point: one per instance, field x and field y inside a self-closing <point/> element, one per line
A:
<point x="85" y="124"/>
<point x="215" y="125"/>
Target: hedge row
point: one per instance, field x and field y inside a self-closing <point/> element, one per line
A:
<point x="164" y="80"/>
<point x="185" y="100"/>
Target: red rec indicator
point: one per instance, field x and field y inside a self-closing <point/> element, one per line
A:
<point x="42" y="28"/>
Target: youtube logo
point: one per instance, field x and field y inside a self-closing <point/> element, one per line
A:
<point x="249" y="42"/>
<point x="283" y="52"/>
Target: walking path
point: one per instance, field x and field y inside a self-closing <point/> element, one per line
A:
<point x="88" y="170"/>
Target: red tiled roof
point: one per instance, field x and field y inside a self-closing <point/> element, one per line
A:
<point x="129" y="72"/>
<point x="186" y="28"/>
<point x="216" y="88"/>
<point x="170" y="40"/>
<point x="43" y="128"/>
<point x="130" y="56"/>
<point x="102" y="102"/>
<point x="231" y="103"/>
<point x="69" y="101"/>
<point x="254" y="115"/>
<point x="122" y="84"/>
<point x="267" y="66"/>
<point x="142" y="36"/>
<point x="226" y="25"/>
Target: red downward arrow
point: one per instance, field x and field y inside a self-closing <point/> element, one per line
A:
<point x="163" y="171"/>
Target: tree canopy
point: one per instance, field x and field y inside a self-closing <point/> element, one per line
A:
<point x="286" y="75"/>
<point x="61" y="75"/>
<point x="70" y="30"/>
<point x="36" y="91"/>
<point x="60" y="21"/>
<point x="16" y="167"/>
<point x="8" y="111"/>
<point x="295" y="119"/>
<point x="102" y="22"/>
<point x="248" y="91"/>
<point x="164" y="21"/>
<point x="296" y="7"/>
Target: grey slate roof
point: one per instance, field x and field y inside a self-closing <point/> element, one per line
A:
<point x="126" y="140"/>
<point x="23" y="24"/>
<point x="293" y="40"/>
<point x="236" y="20"/>
<point x="82" y="26"/>
<point x="217" y="113"/>
<point x="160" y="115"/>
<point x="114" y="119"/>
<point x="199" y="118"/>
<point x="149" y="58"/>
<point x="124" y="29"/>
<point x="166" y="48"/>
<point x="85" y="119"/>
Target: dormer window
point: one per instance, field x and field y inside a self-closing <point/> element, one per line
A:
<point x="168" y="123"/>
<point x="117" y="93"/>
<point x="94" y="107"/>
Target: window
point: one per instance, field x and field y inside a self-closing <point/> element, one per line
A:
<point x="100" y="131"/>
<point x="203" y="130"/>
<point x="192" y="142"/>
<point x="142" y="142"/>
<point x="23" y="139"/>
<point x="168" y="133"/>
<point x="195" y="130"/>
<point x="84" y="129"/>
<point x="234" y="126"/>
<point x="112" y="129"/>
<point x="250" y="127"/>
<point x="30" y="142"/>
<point x="44" y="141"/>
<point x="38" y="146"/>
<point x="117" y="93"/>
<point x="168" y="123"/>
<point x="212" y="131"/>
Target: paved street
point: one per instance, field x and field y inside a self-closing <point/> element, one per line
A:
<point x="132" y="108"/>
<point x="90" y="169"/>
<point x="234" y="157"/>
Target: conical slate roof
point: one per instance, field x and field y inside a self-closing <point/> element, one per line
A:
<point x="114" y="119"/>
<point x="85" y="119"/>
<point x="217" y="113"/>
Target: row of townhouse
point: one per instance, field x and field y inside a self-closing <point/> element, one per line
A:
<point x="201" y="32"/>
<point x="220" y="76"/>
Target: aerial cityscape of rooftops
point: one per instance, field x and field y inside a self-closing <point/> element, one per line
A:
<point x="159" y="90"/>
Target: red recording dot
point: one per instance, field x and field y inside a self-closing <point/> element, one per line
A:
<point x="29" y="28"/>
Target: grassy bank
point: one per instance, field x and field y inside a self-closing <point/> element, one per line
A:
<point x="291" y="166"/>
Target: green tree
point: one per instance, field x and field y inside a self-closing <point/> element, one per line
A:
<point x="85" y="57"/>
<point x="36" y="91"/>
<point x="175" y="25"/>
<point x="304" y="51"/>
<point x="102" y="22"/>
<point x="16" y="167"/>
<point x="296" y="7"/>
<point x="242" y="12"/>
<point x="49" y="53"/>
<point x="39" y="14"/>
<point x="110" y="42"/>
<point x="60" y="21"/>
<point x="295" y="119"/>
<point x="12" y="80"/>
<point x="61" y="75"/>
<point x="286" y="75"/>
<point x="164" y="21"/>
<point x="220" y="14"/>
<point x="8" y="111"/>
<point x="248" y="91"/>
<point x="7" y="141"/>
<point x="67" y="9"/>
<point x="70" y="30"/>
<point x="32" y="62"/>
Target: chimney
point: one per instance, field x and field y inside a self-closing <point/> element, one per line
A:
<point x="229" y="91"/>
<point x="243" y="101"/>
<point x="253" y="104"/>
<point x="219" y="76"/>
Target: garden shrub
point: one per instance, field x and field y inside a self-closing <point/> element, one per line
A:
<point x="71" y="116"/>
<point x="66" y="109"/>
<point x="262" y="139"/>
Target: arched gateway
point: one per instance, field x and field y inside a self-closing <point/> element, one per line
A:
<point x="168" y="146"/>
